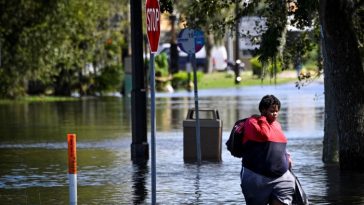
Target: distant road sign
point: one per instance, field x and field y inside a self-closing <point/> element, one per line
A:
<point x="153" y="24"/>
<point x="191" y="41"/>
<point x="199" y="40"/>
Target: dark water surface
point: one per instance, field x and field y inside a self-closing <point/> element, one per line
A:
<point x="33" y="150"/>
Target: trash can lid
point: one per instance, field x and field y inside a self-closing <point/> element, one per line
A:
<point x="204" y="113"/>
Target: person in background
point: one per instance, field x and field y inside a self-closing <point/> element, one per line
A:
<point x="265" y="175"/>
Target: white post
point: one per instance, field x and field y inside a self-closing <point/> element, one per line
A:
<point x="73" y="188"/>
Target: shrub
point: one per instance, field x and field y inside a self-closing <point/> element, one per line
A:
<point x="181" y="79"/>
<point x="257" y="67"/>
<point x="161" y="65"/>
<point x="110" y="79"/>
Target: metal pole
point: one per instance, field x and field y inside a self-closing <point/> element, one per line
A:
<point x="237" y="32"/>
<point x="174" y="66"/>
<point x="153" y="128"/>
<point x="139" y="146"/>
<point x="198" y="141"/>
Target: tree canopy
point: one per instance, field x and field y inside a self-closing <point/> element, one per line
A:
<point x="219" y="17"/>
<point x="45" y="42"/>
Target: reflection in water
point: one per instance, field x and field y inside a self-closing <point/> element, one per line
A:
<point x="140" y="172"/>
<point x="344" y="187"/>
<point x="197" y="186"/>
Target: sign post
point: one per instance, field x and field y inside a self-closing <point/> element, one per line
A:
<point x="153" y="32"/>
<point x="191" y="41"/>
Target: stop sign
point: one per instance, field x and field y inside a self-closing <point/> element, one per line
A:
<point x="153" y="24"/>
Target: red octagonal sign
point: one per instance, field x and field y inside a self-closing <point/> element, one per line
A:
<point x="153" y="24"/>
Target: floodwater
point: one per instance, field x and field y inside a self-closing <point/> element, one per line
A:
<point x="33" y="150"/>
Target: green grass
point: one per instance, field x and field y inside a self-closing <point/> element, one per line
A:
<point x="40" y="98"/>
<point x="48" y="98"/>
<point x="225" y="80"/>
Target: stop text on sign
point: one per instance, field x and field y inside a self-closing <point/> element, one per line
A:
<point x="153" y="19"/>
<point x="152" y="13"/>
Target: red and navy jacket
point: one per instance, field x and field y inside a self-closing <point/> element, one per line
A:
<point x="265" y="147"/>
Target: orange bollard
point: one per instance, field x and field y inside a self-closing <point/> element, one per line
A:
<point x="72" y="168"/>
<point x="72" y="157"/>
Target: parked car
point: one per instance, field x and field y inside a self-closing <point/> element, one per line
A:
<point x="201" y="60"/>
<point x="219" y="58"/>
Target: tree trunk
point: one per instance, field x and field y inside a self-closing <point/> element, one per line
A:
<point x="345" y="77"/>
<point x="330" y="153"/>
<point x="330" y="145"/>
<point x="208" y="46"/>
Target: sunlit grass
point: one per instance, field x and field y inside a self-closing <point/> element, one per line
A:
<point x="49" y="98"/>
<point x="226" y="80"/>
<point x="41" y="98"/>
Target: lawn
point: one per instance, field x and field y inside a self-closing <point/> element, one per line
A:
<point x="40" y="98"/>
<point x="226" y="80"/>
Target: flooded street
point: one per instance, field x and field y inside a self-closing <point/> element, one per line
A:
<point x="33" y="150"/>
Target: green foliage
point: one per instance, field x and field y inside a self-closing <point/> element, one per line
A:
<point x="182" y="79"/>
<point x="311" y="58"/>
<point x="110" y="79"/>
<point x="221" y="16"/>
<point x="218" y="15"/>
<point x="259" y="69"/>
<point x="276" y="18"/>
<point x="39" y="39"/>
<point x="274" y="67"/>
<point x="161" y="65"/>
<point x="18" y="36"/>
<point x="299" y="47"/>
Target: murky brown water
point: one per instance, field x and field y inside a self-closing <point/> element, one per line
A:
<point x="33" y="150"/>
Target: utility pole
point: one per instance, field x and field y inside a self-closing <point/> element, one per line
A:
<point x="139" y="146"/>
<point x="174" y="66"/>
<point x="237" y="31"/>
<point x="237" y="61"/>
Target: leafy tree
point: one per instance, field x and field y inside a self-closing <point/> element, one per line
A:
<point x="49" y="43"/>
<point x="24" y="41"/>
<point x="93" y="38"/>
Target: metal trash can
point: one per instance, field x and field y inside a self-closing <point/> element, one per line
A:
<point x="210" y="135"/>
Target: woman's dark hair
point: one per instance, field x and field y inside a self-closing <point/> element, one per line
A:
<point x="267" y="101"/>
